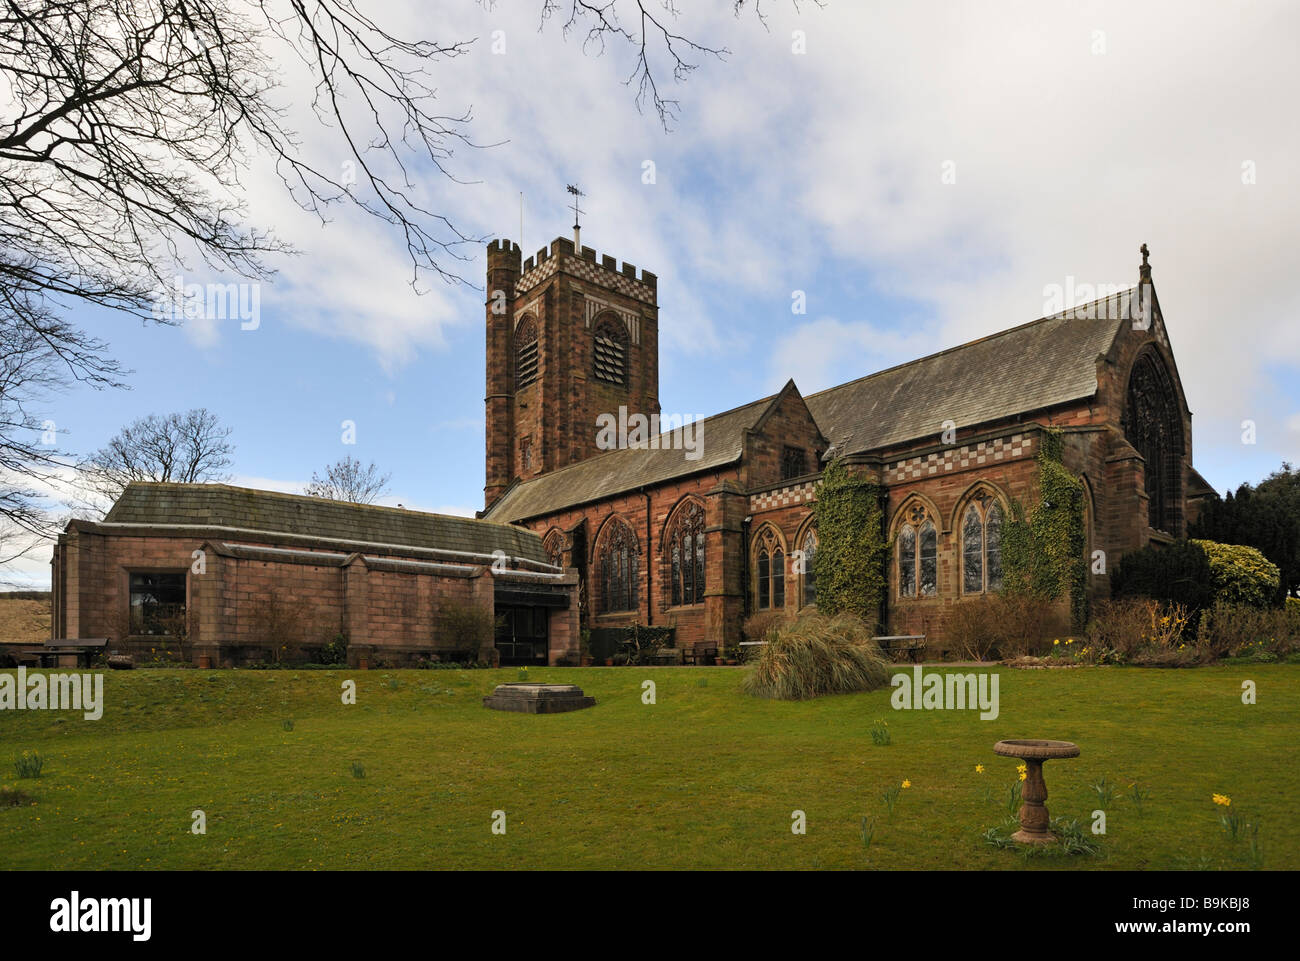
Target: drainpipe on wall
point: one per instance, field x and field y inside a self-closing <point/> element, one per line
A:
<point x="649" y="565"/>
<point x="744" y="565"/>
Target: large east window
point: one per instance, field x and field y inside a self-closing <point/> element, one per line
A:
<point x="157" y="603"/>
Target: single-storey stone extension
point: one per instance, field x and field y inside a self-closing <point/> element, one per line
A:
<point x="235" y="576"/>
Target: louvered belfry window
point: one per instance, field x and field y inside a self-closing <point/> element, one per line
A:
<point x="526" y="353"/>
<point x="610" y="352"/>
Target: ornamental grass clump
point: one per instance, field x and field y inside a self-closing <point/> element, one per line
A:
<point x="813" y="654"/>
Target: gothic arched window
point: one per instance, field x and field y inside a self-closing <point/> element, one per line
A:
<point x="770" y="570"/>
<point x="616" y="561"/>
<point x="1153" y="424"/>
<point x="525" y="352"/>
<point x="918" y="555"/>
<point x="981" y="546"/>
<point x="609" y="351"/>
<point x="686" y="555"/>
<point x="807" y="558"/>
<point x="553" y="548"/>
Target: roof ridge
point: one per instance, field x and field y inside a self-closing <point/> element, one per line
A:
<point x="623" y="450"/>
<point x="303" y="498"/>
<point x="1060" y="315"/>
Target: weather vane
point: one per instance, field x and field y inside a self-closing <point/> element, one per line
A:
<point x="576" y="211"/>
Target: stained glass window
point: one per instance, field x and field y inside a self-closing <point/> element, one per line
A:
<point x="618" y="568"/>
<point x="686" y="553"/>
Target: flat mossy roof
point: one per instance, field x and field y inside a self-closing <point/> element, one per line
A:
<point x="220" y="505"/>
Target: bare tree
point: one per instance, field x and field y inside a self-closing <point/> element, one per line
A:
<point x="347" y="480"/>
<point x="185" y="448"/>
<point x="125" y="126"/>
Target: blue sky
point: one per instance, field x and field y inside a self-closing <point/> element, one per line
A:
<point x="1075" y="134"/>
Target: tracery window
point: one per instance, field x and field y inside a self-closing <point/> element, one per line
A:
<point x="526" y="352"/>
<point x="609" y="351"/>
<point x="770" y="570"/>
<point x="617" y="563"/>
<point x="981" y="546"/>
<point x="553" y="548"/>
<point x="808" y="557"/>
<point x="918" y="555"/>
<point x="1153" y="425"/>
<point x="686" y="555"/>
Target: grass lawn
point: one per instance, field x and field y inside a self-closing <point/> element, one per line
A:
<point x="705" y="778"/>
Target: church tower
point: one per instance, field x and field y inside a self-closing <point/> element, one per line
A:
<point x="569" y="337"/>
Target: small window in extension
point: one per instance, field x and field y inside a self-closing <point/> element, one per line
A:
<point x="157" y="603"/>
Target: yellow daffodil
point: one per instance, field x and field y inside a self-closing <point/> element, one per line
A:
<point x="906" y="783"/>
<point x="1023" y="775"/>
<point x="979" y="768"/>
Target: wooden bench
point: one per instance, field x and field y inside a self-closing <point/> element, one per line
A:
<point x="700" y="654"/>
<point x="910" y="644"/>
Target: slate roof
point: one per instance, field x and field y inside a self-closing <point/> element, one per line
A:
<point x="1046" y="362"/>
<point x="721" y="441"/>
<point x="220" y="505"/>
<point x="1049" y="361"/>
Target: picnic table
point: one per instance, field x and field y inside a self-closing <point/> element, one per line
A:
<point x="54" y="651"/>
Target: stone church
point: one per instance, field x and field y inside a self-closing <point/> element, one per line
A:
<point x="699" y="536"/>
<point x="600" y="513"/>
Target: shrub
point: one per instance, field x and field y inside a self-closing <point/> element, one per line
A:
<point x="1242" y="630"/>
<point x="757" y="626"/>
<point x="1177" y="573"/>
<point x="814" y="654"/>
<point x="1005" y="625"/>
<point x="974" y="629"/>
<point x="1240" y="574"/>
<point x="1116" y="629"/>
<point x="334" y="651"/>
<point x="1141" y="631"/>
<point x="463" y="628"/>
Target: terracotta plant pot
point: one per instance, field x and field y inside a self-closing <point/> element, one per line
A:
<point x="363" y="663"/>
<point x="731" y="662"/>
<point x="588" y="660"/>
<point x="205" y="662"/>
<point x="609" y="662"/>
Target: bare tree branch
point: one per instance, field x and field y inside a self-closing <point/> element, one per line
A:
<point x="347" y="480"/>
<point x="186" y="448"/>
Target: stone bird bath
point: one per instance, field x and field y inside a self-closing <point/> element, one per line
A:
<point x="1033" y="810"/>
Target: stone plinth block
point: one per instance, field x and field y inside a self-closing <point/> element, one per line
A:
<point x="538" y="698"/>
